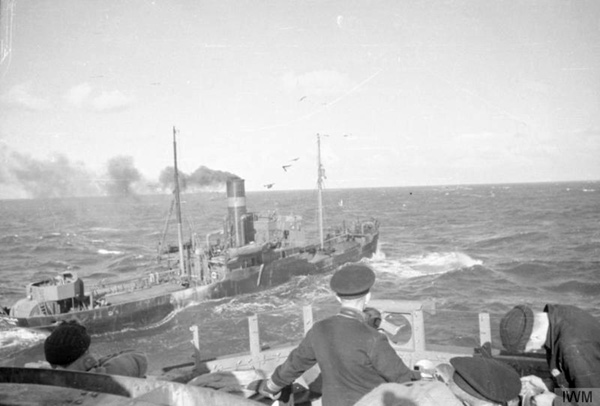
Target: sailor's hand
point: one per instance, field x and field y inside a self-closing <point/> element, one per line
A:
<point x="372" y="317"/>
<point x="427" y="374"/>
<point x="426" y="368"/>
<point x="532" y="385"/>
<point x="268" y="389"/>
<point x="543" y="399"/>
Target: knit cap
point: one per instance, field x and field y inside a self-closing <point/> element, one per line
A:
<point x="516" y="327"/>
<point x="66" y="343"/>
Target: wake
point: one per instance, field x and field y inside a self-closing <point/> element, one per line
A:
<point x="435" y="263"/>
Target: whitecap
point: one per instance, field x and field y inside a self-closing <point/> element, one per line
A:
<point x="107" y="252"/>
<point x="15" y="337"/>
<point x="426" y="264"/>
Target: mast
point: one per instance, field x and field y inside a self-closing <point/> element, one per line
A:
<point x="178" y="206"/>
<point x="320" y="175"/>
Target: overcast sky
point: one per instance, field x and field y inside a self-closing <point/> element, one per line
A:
<point x="410" y="92"/>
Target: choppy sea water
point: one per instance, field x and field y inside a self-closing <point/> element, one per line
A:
<point x="468" y="249"/>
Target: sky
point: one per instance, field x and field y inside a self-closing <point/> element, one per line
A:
<point x="403" y="93"/>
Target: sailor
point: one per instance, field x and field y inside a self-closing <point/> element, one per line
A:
<point x="353" y="357"/>
<point x="68" y="347"/>
<point x="569" y="335"/>
<point x="474" y="381"/>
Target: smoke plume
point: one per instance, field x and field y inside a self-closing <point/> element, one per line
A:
<point x="201" y="178"/>
<point x="25" y="177"/>
<point x="122" y="174"/>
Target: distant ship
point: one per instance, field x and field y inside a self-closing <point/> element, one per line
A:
<point x="251" y="253"/>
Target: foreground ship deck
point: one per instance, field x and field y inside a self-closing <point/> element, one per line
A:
<point x="194" y="383"/>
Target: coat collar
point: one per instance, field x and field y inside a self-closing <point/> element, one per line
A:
<point x="352" y="313"/>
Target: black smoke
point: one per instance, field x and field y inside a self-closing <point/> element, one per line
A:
<point x="201" y="178"/>
<point x="25" y="177"/>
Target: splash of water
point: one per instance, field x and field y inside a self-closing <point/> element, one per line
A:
<point x="109" y="252"/>
<point x="425" y="264"/>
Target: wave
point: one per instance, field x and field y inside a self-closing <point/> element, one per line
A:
<point x="529" y="237"/>
<point x="57" y="264"/>
<point x="529" y="269"/>
<point x="10" y="239"/>
<point x="12" y="338"/>
<point x="105" y="229"/>
<point x="379" y="255"/>
<point x="50" y="235"/>
<point x="581" y="288"/>
<point x="109" y="252"/>
<point x="427" y="264"/>
<point x="298" y="291"/>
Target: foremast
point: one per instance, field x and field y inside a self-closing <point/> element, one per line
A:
<point x="178" y="206"/>
<point x="320" y="176"/>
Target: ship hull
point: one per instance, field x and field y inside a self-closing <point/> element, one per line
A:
<point x="147" y="309"/>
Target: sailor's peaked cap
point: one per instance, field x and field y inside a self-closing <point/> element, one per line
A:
<point x="352" y="280"/>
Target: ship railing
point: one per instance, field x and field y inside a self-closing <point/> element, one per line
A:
<point x="410" y="327"/>
<point x="405" y="328"/>
<point x="124" y="285"/>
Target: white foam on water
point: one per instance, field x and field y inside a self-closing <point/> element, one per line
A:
<point x="235" y="306"/>
<point x="108" y="252"/>
<point x="426" y="264"/>
<point x="378" y="255"/>
<point x="20" y="337"/>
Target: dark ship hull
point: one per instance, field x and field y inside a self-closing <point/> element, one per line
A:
<point x="147" y="307"/>
<point x="252" y="253"/>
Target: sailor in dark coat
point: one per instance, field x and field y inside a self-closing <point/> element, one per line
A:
<point x="68" y="347"/>
<point x="353" y="357"/>
<point x="569" y="335"/>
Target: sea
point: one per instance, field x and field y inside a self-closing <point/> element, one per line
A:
<point x="462" y="249"/>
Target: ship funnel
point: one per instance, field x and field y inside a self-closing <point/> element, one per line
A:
<point x="236" y="210"/>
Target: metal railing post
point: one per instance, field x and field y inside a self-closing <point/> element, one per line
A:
<point x="485" y="330"/>
<point x="196" y="343"/>
<point x="418" y="330"/>
<point x="254" y="340"/>
<point x="307" y="316"/>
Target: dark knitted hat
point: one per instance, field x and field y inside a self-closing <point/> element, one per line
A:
<point x="66" y="344"/>
<point x="352" y="281"/>
<point x="486" y="379"/>
<point x="516" y="327"/>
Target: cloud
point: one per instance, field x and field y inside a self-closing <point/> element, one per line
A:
<point x="22" y="96"/>
<point x="78" y="95"/>
<point x="112" y="100"/>
<point x="85" y="96"/>
<point x="317" y="83"/>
